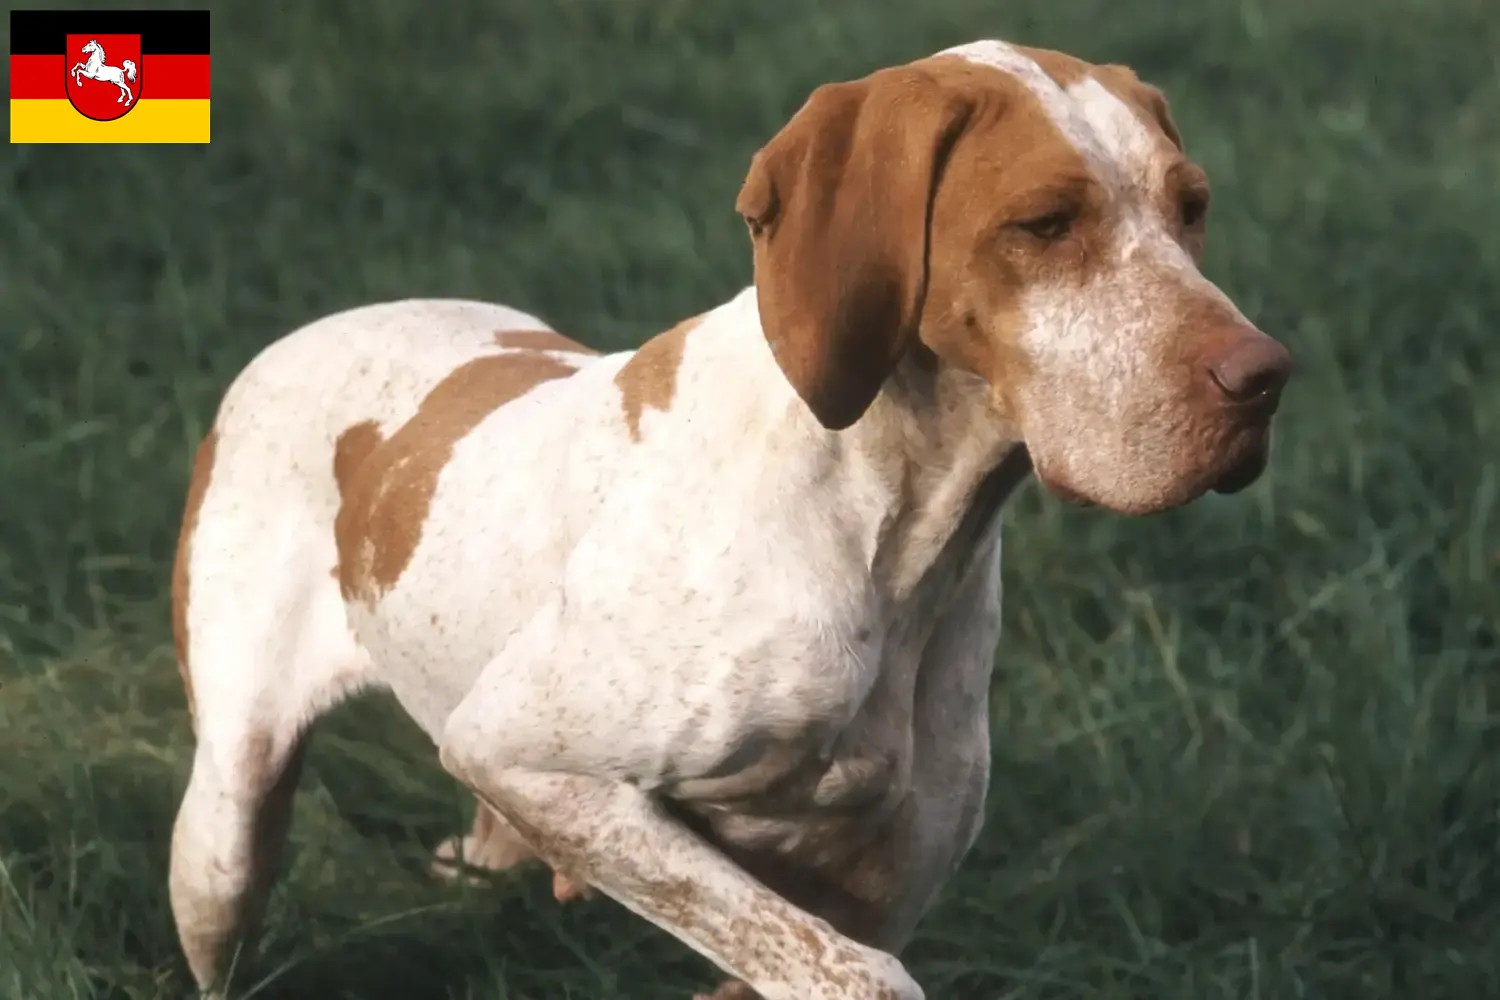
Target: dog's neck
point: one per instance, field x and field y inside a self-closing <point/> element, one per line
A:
<point x="925" y="469"/>
<point x="934" y="429"/>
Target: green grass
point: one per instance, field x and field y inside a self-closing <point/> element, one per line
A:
<point x="1244" y="750"/>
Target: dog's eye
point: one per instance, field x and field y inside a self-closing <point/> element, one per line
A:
<point x="1050" y="227"/>
<point x="1194" y="208"/>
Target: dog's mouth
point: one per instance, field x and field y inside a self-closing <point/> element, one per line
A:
<point x="1239" y="471"/>
<point x="1246" y="469"/>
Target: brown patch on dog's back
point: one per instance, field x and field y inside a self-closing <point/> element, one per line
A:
<point x="351" y="450"/>
<point x="386" y="498"/>
<point x="540" y="340"/>
<point x="203" y="464"/>
<point x="649" y="378"/>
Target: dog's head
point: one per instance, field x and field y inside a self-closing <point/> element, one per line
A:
<point x="1030" y="219"/>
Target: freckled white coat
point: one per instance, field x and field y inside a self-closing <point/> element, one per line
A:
<point x="722" y="654"/>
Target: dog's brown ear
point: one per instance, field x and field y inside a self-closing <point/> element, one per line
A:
<point x="839" y="205"/>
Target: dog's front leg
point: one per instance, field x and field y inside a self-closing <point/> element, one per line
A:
<point x="617" y="838"/>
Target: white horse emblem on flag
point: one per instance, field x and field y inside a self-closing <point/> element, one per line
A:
<point x="95" y="68"/>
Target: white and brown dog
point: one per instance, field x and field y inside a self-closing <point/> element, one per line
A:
<point x="709" y="626"/>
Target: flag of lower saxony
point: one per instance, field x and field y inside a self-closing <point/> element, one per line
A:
<point x="109" y="76"/>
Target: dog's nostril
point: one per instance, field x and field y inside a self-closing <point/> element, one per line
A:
<point x="1258" y="367"/>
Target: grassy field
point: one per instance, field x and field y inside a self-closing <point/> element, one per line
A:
<point x="1244" y="750"/>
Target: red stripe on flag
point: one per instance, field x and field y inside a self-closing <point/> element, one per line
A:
<point x="162" y="77"/>
<point x="37" y="77"/>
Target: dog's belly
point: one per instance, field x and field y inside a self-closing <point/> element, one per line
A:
<point x="718" y="711"/>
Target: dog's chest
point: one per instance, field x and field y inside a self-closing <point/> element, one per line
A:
<point x="836" y="829"/>
<point x="825" y="828"/>
<point x="865" y="832"/>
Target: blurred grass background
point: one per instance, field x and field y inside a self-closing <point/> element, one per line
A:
<point x="1244" y="750"/>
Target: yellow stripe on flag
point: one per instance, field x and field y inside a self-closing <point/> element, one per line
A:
<point x="151" y="121"/>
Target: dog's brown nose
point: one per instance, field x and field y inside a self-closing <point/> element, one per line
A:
<point x="1255" y="369"/>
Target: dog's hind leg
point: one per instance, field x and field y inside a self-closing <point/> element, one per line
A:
<point x="264" y="647"/>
